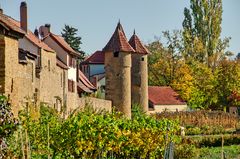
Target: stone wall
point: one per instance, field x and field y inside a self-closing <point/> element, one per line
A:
<point x="97" y="104"/>
<point x="118" y="81"/>
<point x="2" y="64"/>
<point x="19" y="83"/>
<point x="53" y="82"/>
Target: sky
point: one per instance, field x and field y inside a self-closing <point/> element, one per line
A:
<point x="96" y="19"/>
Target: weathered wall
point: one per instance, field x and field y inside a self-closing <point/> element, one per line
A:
<point x="19" y="79"/>
<point x="118" y="81"/>
<point x="97" y="104"/>
<point x="25" y="44"/>
<point x="51" y="80"/>
<point x="139" y="81"/>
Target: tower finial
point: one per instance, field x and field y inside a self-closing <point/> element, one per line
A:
<point x="134" y="32"/>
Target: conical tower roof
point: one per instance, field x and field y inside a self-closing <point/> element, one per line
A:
<point x="118" y="41"/>
<point x="137" y="45"/>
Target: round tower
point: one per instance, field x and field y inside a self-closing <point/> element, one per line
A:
<point x="139" y="73"/>
<point x="118" y="71"/>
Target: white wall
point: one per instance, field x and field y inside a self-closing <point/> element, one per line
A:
<point x="172" y="108"/>
<point x="72" y="73"/>
<point x="25" y="44"/>
<point x="61" y="53"/>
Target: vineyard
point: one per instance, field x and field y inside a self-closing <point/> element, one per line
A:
<point x="42" y="133"/>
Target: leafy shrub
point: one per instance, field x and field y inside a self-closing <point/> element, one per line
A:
<point x="8" y="124"/>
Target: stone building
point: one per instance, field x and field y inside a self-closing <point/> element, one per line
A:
<point x="32" y="71"/>
<point x="67" y="56"/>
<point x="118" y="71"/>
<point x="139" y="73"/>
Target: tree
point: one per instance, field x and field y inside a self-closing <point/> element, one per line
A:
<point x="202" y="27"/>
<point x="163" y="61"/>
<point x="227" y="75"/>
<point x="70" y="36"/>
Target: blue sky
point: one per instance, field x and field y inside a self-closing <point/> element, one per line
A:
<point x="97" y="19"/>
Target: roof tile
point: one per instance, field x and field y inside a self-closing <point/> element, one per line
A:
<point x="95" y="58"/>
<point x="60" y="40"/>
<point x="118" y="41"/>
<point x="30" y="36"/>
<point x="137" y="45"/>
<point x="164" y="96"/>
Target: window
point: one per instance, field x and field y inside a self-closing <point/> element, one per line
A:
<point x="142" y="58"/>
<point x="49" y="64"/>
<point x="116" y="54"/>
<point x="32" y="73"/>
<point x="61" y="79"/>
<point x="71" y="86"/>
<point x="70" y="62"/>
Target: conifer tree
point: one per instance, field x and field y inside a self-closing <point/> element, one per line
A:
<point x="70" y="36"/>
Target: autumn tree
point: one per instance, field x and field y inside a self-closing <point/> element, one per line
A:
<point x="228" y="81"/>
<point x="164" y="59"/>
<point x="70" y="36"/>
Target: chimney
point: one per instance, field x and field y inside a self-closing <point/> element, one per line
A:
<point x="23" y="16"/>
<point x="36" y="33"/>
<point x="44" y="30"/>
<point x="48" y="26"/>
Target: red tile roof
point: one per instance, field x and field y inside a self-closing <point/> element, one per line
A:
<point x="5" y="20"/>
<point x="31" y="37"/>
<point x="137" y="45"/>
<point x="60" y="40"/>
<point x="118" y="42"/>
<point x="95" y="58"/>
<point x="164" y="96"/>
<point x="85" y="81"/>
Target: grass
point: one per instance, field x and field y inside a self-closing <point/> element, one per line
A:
<point x="230" y="152"/>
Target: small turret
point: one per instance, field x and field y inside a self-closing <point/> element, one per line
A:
<point x="118" y="71"/>
<point x="139" y="73"/>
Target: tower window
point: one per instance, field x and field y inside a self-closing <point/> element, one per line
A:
<point x="49" y="69"/>
<point x="116" y="54"/>
<point x="142" y="58"/>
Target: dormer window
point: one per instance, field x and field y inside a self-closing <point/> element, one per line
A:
<point x="116" y="54"/>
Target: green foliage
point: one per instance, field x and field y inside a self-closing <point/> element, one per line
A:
<point x="205" y="130"/>
<point x="90" y="134"/>
<point x="202" y="30"/>
<point x="70" y="36"/>
<point x="213" y="140"/>
<point x="232" y="151"/>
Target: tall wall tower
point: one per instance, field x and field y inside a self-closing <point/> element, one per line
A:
<point x="118" y="71"/>
<point x="139" y="73"/>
